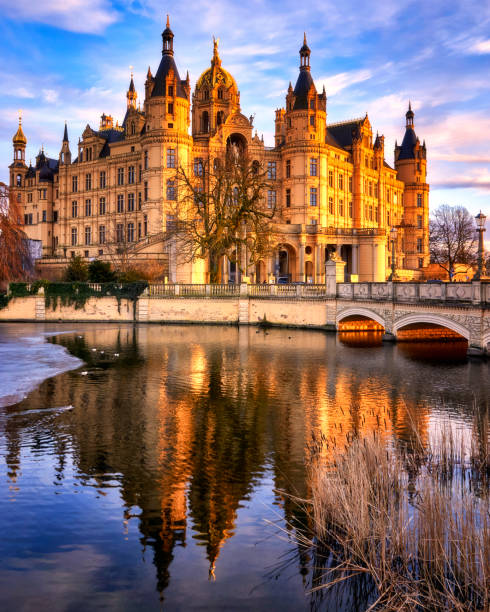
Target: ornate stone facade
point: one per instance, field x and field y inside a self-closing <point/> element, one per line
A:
<point x="332" y="188"/>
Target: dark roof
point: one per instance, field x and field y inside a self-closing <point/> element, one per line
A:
<point x="30" y="172"/>
<point x="408" y="144"/>
<point x="166" y="65"/>
<point x="65" y="135"/>
<point x="301" y="90"/>
<point x="330" y="140"/>
<point x="109" y="136"/>
<point x="342" y="132"/>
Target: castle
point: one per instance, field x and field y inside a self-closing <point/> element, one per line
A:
<point x="331" y="187"/>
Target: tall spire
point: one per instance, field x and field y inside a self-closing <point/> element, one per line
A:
<point x="65" y="135"/>
<point x="304" y="54"/>
<point x="168" y="40"/>
<point x="19" y="137"/>
<point x="131" y="94"/>
<point x="409" y="116"/>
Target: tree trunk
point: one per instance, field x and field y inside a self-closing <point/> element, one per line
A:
<point x="213" y="268"/>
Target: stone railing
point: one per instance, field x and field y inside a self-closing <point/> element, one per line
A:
<point x="470" y="293"/>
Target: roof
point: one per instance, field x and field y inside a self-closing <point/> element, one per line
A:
<point x="166" y="65"/>
<point x="19" y="137"/>
<point x="302" y="88"/>
<point x="109" y="136"/>
<point x="408" y="144"/>
<point x="342" y="132"/>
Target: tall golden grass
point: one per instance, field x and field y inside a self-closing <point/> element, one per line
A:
<point x="411" y="524"/>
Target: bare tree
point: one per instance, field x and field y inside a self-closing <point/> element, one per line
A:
<point x="15" y="259"/>
<point x="221" y="210"/>
<point x="452" y="238"/>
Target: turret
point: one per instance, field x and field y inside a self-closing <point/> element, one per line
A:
<point x="131" y="94"/>
<point x="19" y="141"/>
<point x="65" y="153"/>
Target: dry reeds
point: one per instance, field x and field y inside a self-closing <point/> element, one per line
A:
<point x="413" y="524"/>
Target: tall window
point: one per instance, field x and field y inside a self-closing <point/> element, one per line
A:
<point x="131" y="175"/>
<point x="130" y="202"/>
<point x="419" y="200"/>
<point x="288" y="168"/>
<point x="74" y="209"/>
<point x="271" y="199"/>
<point x="330" y="205"/>
<point x="419" y="245"/>
<point x="271" y="170"/>
<point x="351" y="211"/>
<point x="74" y="184"/>
<point x="74" y="236"/>
<point x="330" y="178"/>
<point x="139" y="200"/>
<point x="119" y="232"/>
<point x="130" y="232"/>
<point x="139" y="173"/>
<point x="88" y="182"/>
<point x="88" y="235"/>
<point x="120" y="176"/>
<point x="171" y="191"/>
<point x="44" y="217"/>
<point x="170" y="108"/>
<point x="88" y="208"/>
<point x="145" y="224"/>
<point x="120" y="203"/>
<point x="146" y="191"/>
<point x="313" y="201"/>
<point x="102" y="206"/>
<point x="170" y="158"/>
<point x="313" y="166"/>
<point x="198" y="169"/>
<point x="419" y="221"/>
<point x="421" y="262"/>
<point x="102" y="179"/>
<point x="288" y="198"/>
<point x="350" y="184"/>
<point x="341" y="181"/>
<point x="145" y="160"/>
<point x="341" y="208"/>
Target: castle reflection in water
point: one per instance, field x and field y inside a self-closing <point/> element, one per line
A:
<point x="188" y="419"/>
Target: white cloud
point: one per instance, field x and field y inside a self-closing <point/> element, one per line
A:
<point x="336" y="83"/>
<point x="50" y="96"/>
<point x="481" y="47"/>
<point x="87" y="16"/>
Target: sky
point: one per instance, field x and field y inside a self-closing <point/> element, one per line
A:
<point x="70" y="60"/>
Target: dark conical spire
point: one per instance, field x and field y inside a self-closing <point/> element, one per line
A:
<point x="65" y="134"/>
<point x="168" y="40"/>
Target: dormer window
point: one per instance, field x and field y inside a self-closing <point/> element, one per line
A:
<point x="312" y="104"/>
<point x="206" y="94"/>
<point x="220" y="94"/>
<point x="170" y="90"/>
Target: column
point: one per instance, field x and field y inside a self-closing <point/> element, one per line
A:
<point x="355" y="259"/>
<point x="319" y="267"/>
<point x="301" y="276"/>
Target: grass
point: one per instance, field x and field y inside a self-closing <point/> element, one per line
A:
<point x="403" y="528"/>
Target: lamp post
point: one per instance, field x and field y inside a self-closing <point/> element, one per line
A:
<point x="480" y="228"/>
<point x="393" y="233"/>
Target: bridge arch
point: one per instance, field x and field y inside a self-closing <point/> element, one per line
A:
<point x="434" y="319"/>
<point x="359" y="312"/>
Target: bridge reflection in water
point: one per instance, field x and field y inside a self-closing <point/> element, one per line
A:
<point x="196" y="426"/>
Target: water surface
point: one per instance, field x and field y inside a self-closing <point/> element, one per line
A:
<point x="153" y="475"/>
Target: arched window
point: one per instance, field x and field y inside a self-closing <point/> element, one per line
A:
<point x="205" y="122"/>
<point x="19" y="180"/>
<point x="220" y="94"/>
<point x="133" y="128"/>
<point x="171" y="190"/>
<point x="220" y="118"/>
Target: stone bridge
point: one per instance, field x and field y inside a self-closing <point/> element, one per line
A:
<point x="463" y="308"/>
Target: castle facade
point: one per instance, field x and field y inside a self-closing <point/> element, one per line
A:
<point x="330" y="184"/>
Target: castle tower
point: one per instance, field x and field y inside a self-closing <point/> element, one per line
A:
<point x="18" y="168"/>
<point x="215" y="98"/>
<point x="411" y="167"/>
<point x="306" y="110"/>
<point x="65" y="153"/>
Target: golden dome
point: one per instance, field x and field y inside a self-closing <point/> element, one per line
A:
<point x="19" y="137"/>
<point x="216" y="75"/>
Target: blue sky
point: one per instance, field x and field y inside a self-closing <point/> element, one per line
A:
<point x="69" y="59"/>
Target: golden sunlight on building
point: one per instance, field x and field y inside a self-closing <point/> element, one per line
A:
<point x="330" y="183"/>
